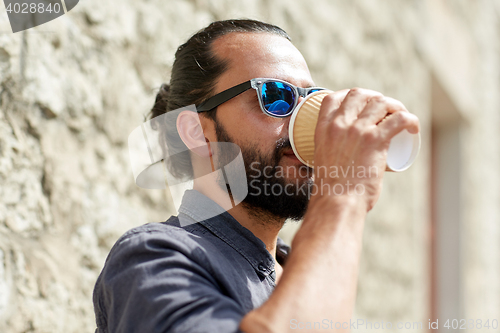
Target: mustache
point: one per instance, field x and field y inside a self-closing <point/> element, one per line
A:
<point x="282" y="144"/>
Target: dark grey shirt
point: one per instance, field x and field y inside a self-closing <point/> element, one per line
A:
<point x="203" y="277"/>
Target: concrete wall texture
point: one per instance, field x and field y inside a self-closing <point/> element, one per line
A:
<point x="73" y="89"/>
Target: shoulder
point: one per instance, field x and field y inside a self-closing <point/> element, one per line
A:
<point x="152" y="277"/>
<point x="152" y="250"/>
<point x="156" y="238"/>
<point x="169" y="227"/>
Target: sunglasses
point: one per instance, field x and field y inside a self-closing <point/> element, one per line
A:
<point x="277" y="98"/>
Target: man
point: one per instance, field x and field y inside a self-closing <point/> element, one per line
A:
<point x="227" y="273"/>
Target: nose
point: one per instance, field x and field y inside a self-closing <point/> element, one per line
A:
<point x="300" y="99"/>
<point x="286" y="120"/>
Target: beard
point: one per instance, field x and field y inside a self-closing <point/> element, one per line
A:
<point x="270" y="195"/>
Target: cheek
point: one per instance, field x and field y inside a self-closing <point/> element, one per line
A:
<point x="262" y="130"/>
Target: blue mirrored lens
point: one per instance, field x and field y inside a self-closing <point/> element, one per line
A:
<point x="277" y="97"/>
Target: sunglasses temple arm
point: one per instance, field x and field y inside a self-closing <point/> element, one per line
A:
<point x="223" y="97"/>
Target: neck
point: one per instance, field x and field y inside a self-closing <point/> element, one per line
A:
<point x="263" y="225"/>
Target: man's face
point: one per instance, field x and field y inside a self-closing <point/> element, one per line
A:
<point x="278" y="181"/>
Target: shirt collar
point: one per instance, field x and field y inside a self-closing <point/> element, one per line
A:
<point x="197" y="207"/>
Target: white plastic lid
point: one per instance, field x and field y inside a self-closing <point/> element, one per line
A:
<point x="403" y="150"/>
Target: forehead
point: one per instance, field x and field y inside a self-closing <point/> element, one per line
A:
<point x="251" y="55"/>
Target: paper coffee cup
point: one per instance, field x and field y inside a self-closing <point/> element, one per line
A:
<point x="403" y="149"/>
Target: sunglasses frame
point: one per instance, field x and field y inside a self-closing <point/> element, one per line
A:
<point x="257" y="83"/>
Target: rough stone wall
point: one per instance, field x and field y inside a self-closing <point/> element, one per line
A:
<point x="73" y="89"/>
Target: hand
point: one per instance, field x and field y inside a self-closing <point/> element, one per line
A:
<point x="351" y="142"/>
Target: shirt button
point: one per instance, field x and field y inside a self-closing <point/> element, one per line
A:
<point x="262" y="267"/>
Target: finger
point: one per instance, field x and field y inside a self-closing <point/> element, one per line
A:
<point x="354" y="103"/>
<point x="398" y="121"/>
<point x="330" y="105"/>
<point x="378" y="108"/>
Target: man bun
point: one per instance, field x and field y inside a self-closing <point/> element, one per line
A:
<point x="161" y="101"/>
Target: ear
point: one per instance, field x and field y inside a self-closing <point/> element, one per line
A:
<point x="191" y="133"/>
